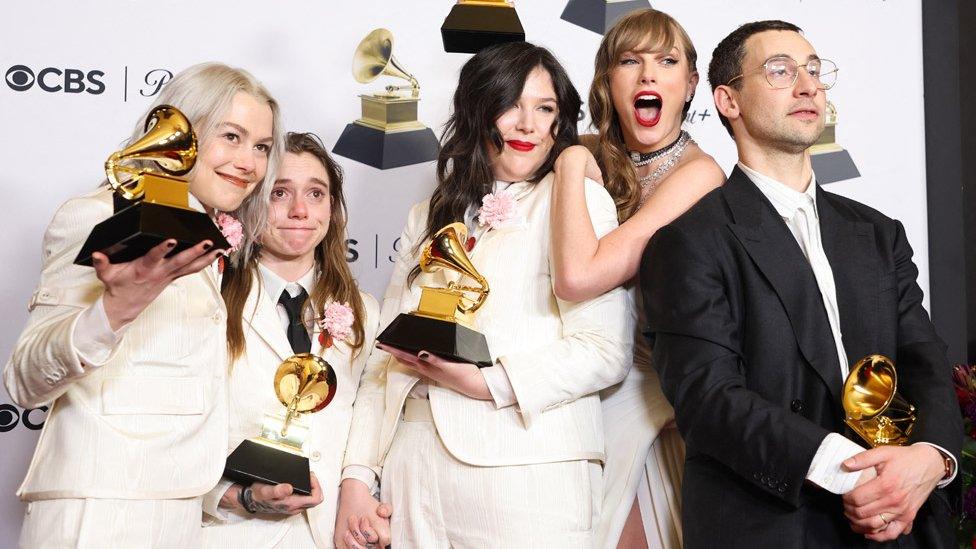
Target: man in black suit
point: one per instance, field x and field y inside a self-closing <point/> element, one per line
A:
<point x="760" y="298"/>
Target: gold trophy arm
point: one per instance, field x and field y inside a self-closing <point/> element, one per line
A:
<point x="131" y="189"/>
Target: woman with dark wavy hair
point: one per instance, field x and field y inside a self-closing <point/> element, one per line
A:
<point x="507" y="455"/>
<point x="643" y="84"/>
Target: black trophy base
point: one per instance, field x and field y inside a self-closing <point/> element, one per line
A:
<point x="471" y="28"/>
<point x="416" y="333"/>
<point x="833" y="166"/>
<point x="386" y="150"/>
<point x="133" y="231"/>
<point x="599" y="15"/>
<point x="255" y="462"/>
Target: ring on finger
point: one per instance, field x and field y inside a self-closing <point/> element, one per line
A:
<point x="884" y="518"/>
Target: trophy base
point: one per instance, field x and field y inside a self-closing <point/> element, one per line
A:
<point x="253" y="461"/>
<point x="134" y="230"/>
<point x="450" y="340"/>
<point x="384" y="150"/>
<point x="471" y="28"/>
<point x="599" y="15"/>
<point x="833" y="166"/>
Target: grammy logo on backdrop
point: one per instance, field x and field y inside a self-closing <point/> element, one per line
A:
<point x="473" y="25"/>
<point x="599" y="15"/>
<point x="388" y="134"/>
<point x="830" y="161"/>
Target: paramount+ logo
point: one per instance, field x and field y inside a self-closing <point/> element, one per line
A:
<point x="22" y="78"/>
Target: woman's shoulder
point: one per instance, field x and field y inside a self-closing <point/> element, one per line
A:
<point x="701" y="166"/>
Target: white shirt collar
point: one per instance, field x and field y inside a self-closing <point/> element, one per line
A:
<point x="784" y="199"/>
<point x="273" y="284"/>
<point x="195" y="204"/>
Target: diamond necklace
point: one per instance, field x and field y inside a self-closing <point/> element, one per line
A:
<point x="673" y="152"/>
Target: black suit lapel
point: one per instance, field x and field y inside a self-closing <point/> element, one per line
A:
<point x="853" y="257"/>
<point x="772" y="247"/>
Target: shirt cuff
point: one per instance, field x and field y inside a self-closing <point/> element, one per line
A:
<point x="362" y="474"/>
<point x="499" y="386"/>
<point x="93" y="336"/>
<point x="211" y="500"/>
<point x="955" y="465"/>
<point x="826" y="469"/>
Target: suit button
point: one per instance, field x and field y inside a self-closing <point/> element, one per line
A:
<point x="217" y="318"/>
<point x="315" y="456"/>
<point x="49" y="380"/>
<point x="796" y="406"/>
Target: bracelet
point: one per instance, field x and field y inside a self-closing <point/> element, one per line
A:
<point x="246" y="498"/>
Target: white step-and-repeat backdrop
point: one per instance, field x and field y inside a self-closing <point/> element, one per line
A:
<point x="78" y="74"/>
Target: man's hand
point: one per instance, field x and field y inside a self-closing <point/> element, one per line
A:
<point x="884" y="507"/>
<point x="130" y="287"/>
<point x="362" y="522"/>
<point x="463" y="377"/>
<point x="278" y="499"/>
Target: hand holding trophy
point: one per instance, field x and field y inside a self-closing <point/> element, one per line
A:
<point x="875" y="410"/>
<point x="152" y="202"/>
<point x="305" y="384"/>
<point x="443" y="323"/>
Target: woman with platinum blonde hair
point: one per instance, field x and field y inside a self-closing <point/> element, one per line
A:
<point x="124" y="354"/>
<point x="643" y="85"/>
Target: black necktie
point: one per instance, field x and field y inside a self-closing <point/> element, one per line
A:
<point x="297" y="333"/>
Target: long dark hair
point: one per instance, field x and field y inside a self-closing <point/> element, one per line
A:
<point x="333" y="279"/>
<point x="489" y="84"/>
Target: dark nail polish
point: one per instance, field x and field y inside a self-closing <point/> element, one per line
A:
<point x="170" y="244"/>
<point x="423" y="355"/>
<point x="207" y="246"/>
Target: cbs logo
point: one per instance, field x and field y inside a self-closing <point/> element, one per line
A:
<point x="22" y="78"/>
<point x="32" y="418"/>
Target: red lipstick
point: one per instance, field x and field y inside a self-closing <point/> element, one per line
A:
<point x="523" y="146"/>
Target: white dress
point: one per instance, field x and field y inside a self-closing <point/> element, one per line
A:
<point x="645" y="453"/>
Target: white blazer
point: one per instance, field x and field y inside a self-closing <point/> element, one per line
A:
<point x="251" y="394"/>
<point x="148" y="423"/>
<point x="557" y="354"/>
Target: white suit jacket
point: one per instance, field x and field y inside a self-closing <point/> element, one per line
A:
<point x="556" y="354"/>
<point x="251" y="394"/>
<point x="148" y="423"/>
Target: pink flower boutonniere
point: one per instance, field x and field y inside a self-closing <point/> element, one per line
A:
<point x="496" y="209"/>
<point x="336" y="323"/>
<point x="232" y="229"/>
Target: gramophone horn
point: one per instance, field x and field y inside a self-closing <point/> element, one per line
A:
<point x="374" y="57"/>
<point x="446" y="251"/>
<point x="169" y="142"/>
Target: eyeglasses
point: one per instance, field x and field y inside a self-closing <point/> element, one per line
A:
<point x="782" y="71"/>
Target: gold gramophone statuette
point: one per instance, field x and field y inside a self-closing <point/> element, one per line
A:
<point x="456" y="302"/>
<point x="388" y="134"/>
<point x="874" y="409"/>
<point x="304" y="384"/>
<point x="443" y="323"/>
<point x="153" y="203"/>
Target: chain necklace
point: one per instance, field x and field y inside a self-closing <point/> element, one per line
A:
<point x="673" y="153"/>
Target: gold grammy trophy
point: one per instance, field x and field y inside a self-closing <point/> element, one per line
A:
<point x="473" y="25"/>
<point x="388" y="134"/>
<point x="599" y="15"/>
<point x="151" y="203"/>
<point x="874" y="409"/>
<point x="443" y="323"/>
<point x="830" y="161"/>
<point x="305" y="384"/>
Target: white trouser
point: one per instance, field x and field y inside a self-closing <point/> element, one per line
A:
<point x="99" y="523"/>
<point x="440" y="502"/>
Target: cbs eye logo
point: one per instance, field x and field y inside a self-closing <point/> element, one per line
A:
<point x="32" y="418"/>
<point x="21" y="78"/>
